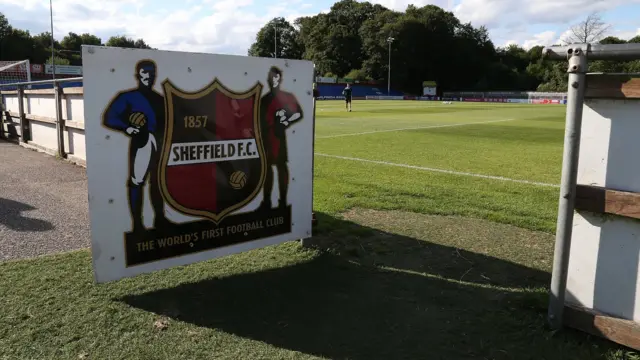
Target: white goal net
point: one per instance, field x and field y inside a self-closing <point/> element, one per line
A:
<point x="14" y="72"/>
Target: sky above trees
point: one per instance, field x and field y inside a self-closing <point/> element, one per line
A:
<point x="229" y="26"/>
<point x="350" y="40"/>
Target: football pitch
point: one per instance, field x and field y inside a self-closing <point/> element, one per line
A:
<point x="500" y="162"/>
<point x="434" y="241"/>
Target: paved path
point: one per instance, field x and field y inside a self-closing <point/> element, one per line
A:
<point x="43" y="204"/>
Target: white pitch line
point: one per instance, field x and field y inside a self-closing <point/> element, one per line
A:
<point x="491" y="177"/>
<point x="412" y="128"/>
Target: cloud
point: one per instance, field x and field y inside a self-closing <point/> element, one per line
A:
<point x="230" y="26"/>
<point x="625" y="34"/>
<point x="491" y="12"/>
<point x="223" y="26"/>
<point x="544" y="38"/>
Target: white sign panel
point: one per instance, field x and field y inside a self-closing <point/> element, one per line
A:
<point x="194" y="156"/>
<point x="64" y="69"/>
<point x="427" y="90"/>
<point x="604" y="270"/>
<point x="327" y="80"/>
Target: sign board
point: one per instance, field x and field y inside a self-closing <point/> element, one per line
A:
<point x="194" y="156"/>
<point x="64" y="69"/>
<point x="429" y="91"/>
<point x="327" y="80"/>
<point x="331" y="97"/>
<point x="384" y="97"/>
<point x="429" y="88"/>
<point x="604" y="264"/>
<point x="604" y="261"/>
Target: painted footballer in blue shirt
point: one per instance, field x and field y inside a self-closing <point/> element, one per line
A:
<point x="139" y="113"/>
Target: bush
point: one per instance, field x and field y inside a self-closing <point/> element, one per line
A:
<point x="359" y="75"/>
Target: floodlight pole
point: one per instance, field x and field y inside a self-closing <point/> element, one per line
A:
<point x="53" y="62"/>
<point x="389" y="40"/>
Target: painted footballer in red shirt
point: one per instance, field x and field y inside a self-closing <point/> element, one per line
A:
<point x="278" y="110"/>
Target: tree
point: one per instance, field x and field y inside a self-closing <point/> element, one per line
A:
<point x="17" y="44"/>
<point x="58" y="61"/>
<point x="358" y="75"/>
<point x="42" y="48"/>
<point x="126" y="42"/>
<point x="288" y="41"/>
<point x="589" y="30"/>
<point x="635" y="39"/>
<point x="5" y="31"/>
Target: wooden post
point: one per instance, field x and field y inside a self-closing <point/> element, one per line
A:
<point x="24" y="125"/>
<point x="3" y="113"/>
<point x="59" y="119"/>
<point x="307" y="241"/>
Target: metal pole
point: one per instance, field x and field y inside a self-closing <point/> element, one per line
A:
<point x="24" y="132"/>
<point x="275" y="40"/>
<point x="575" y="100"/>
<point x="389" y="40"/>
<point x="618" y="52"/>
<point x="307" y="241"/>
<point x="53" y="63"/>
<point x="59" y="120"/>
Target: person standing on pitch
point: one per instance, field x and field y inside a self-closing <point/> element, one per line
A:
<point x="347" y="97"/>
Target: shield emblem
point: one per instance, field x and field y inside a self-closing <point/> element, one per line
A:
<point x="212" y="160"/>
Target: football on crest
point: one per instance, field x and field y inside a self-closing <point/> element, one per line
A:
<point x="137" y="119"/>
<point x="238" y="179"/>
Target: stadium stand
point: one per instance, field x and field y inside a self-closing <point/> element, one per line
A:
<point x="333" y="91"/>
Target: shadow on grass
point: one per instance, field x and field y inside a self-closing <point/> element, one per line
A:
<point x="376" y="295"/>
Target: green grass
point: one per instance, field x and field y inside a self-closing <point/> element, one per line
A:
<point x="406" y="263"/>
<point x="527" y="148"/>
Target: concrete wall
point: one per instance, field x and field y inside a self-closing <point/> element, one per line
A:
<point x="40" y="113"/>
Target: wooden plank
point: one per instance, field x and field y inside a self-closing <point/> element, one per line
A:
<point x="74" y="124"/>
<point x="50" y="120"/>
<point x="39" y="118"/>
<point x="39" y="91"/>
<point x="620" y="331"/>
<point x="67" y="91"/>
<point x="74" y="91"/>
<point x="608" y="86"/>
<point x="608" y="201"/>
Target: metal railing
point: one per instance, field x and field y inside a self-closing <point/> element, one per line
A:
<point x="19" y="88"/>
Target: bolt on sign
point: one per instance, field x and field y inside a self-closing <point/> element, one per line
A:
<point x="194" y="156"/>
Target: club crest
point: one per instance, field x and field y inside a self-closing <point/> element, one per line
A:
<point x="213" y="160"/>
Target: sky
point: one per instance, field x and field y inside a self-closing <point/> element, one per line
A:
<point x="230" y="26"/>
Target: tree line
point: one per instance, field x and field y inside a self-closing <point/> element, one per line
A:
<point x="18" y="44"/>
<point x="429" y="43"/>
<point x="351" y="40"/>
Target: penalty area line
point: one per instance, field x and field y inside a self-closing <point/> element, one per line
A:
<point x="451" y="172"/>
<point x="413" y="128"/>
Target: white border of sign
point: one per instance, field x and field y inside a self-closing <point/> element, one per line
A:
<point x="108" y="71"/>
